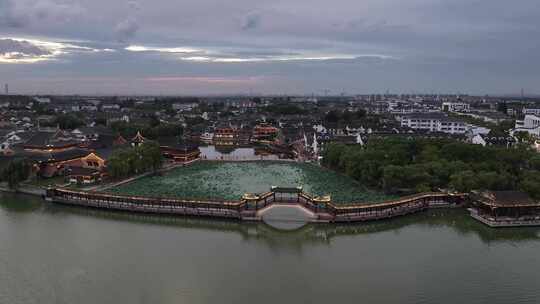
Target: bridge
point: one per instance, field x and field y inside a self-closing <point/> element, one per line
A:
<point x="280" y="204"/>
<point x="286" y="216"/>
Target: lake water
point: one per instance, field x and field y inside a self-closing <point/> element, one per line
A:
<point x="58" y="254"/>
<point x="233" y="153"/>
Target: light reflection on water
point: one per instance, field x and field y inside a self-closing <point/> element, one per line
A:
<point x="285" y="217"/>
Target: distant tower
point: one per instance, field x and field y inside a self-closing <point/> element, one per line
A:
<point x="522" y="93"/>
<point x="315" y="145"/>
<point x="6" y="89"/>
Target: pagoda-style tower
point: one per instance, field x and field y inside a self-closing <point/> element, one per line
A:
<point x="137" y="140"/>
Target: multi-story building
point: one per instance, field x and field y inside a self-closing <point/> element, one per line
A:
<point x="376" y="108"/>
<point x="184" y="106"/>
<point x="433" y="122"/>
<point x="110" y="107"/>
<point x="530" y="124"/>
<point x="225" y="136"/>
<point x="88" y="106"/>
<point x="264" y="132"/>
<point x="531" y="111"/>
<point x="452" y="126"/>
<point x="455" y="107"/>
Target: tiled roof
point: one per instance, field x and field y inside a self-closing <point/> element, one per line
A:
<point x="57" y="156"/>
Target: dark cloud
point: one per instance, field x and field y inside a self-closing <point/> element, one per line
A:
<point x="20" y="49"/>
<point x="368" y="45"/>
<point x="126" y="29"/>
<point x="251" y="21"/>
<point x="26" y="13"/>
<point x="9" y="17"/>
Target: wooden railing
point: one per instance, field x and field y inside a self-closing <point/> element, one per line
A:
<point x="229" y="209"/>
<point x="247" y="208"/>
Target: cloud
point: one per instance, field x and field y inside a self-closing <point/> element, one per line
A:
<point x="24" y="47"/>
<point x="140" y="48"/>
<point x="251" y="21"/>
<point x="18" y="50"/>
<point x="438" y="44"/>
<point x="224" y="55"/>
<point x="21" y="51"/>
<point x="211" y="80"/>
<point x="10" y="17"/>
<point x="26" y="13"/>
<point x="126" y="29"/>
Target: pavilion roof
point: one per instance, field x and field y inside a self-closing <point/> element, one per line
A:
<point x="138" y="138"/>
<point x="287" y="189"/>
<point x="506" y="199"/>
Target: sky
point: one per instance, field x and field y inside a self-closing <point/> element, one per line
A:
<point x="199" y="47"/>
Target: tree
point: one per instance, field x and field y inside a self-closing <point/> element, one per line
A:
<point x="101" y="121"/>
<point x="524" y="137"/>
<point x="502" y="107"/>
<point x="534" y="162"/>
<point x="406" y="177"/>
<point x="393" y="177"/>
<point x="463" y="181"/>
<point x="429" y="154"/>
<point x="16" y="172"/>
<point x="68" y="121"/>
<point x="361" y="113"/>
<point x="151" y="154"/>
<point x="41" y="109"/>
<point x="154" y="121"/>
<point x="420" y="165"/>
<point x="332" y="116"/>
<point x="501" y="129"/>
<point x="135" y="160"/>
<point x="285" y="109"/>
<point x="531" y="183"/>
<point x="332" y="154"/>
<point x="491" y="180"/>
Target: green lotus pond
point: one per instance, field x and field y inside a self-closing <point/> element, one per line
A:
<point x="230" y="180"/>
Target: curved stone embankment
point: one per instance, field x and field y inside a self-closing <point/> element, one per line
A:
<point x="252" y="207"/>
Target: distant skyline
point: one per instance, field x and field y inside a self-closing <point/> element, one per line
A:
<point x="209" y="47"/>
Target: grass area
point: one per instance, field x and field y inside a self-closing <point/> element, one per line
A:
<point x="230" y="180"/>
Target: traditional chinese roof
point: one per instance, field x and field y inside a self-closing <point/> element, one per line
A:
<point x="138" y="138"/>
<point x="499" y="199"/>
<point x="58" y="156"/>
<point x="47" y="140"/>
<point x="287" y="189"/>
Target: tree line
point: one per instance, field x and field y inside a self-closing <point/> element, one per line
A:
<point x="135" y="160"/>
<point x="344" y="117"/>
<point x="285" y="109"/>
<point x="152" y="131"/>
<point x="409" y="166"/>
